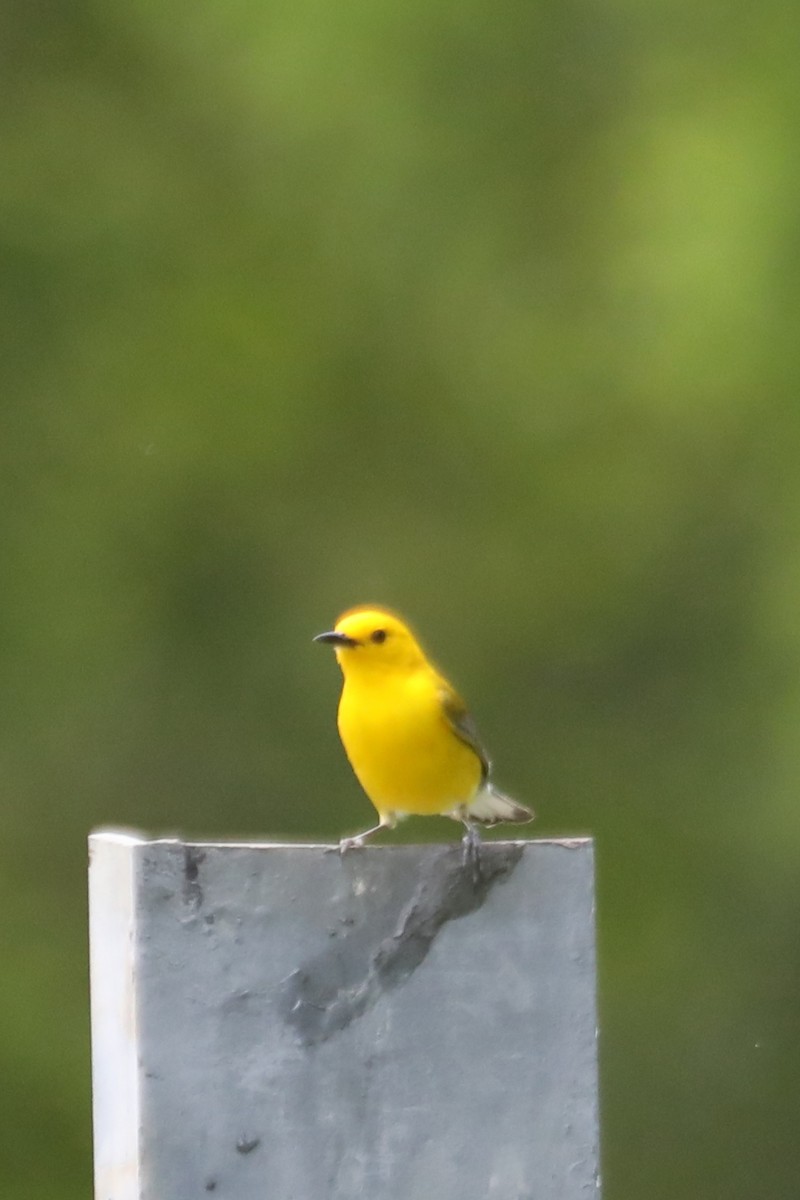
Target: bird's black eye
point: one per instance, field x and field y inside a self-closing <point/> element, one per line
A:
<point x="378" y="636"/>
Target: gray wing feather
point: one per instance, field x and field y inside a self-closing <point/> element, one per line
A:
<point x="464" y="727"/>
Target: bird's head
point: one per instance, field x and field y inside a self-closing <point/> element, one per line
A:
<point x="373" y="639"/>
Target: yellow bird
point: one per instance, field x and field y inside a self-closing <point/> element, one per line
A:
<point x="406" y="731"/>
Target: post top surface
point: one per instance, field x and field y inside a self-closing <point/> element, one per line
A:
<point x="131" y="837"/>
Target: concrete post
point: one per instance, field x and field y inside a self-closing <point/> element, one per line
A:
<point x="276" y="1022"/>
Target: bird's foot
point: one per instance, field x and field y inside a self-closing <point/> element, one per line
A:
<point x="357" y="841"/>
<point x="351" y="843"/>
<point x="470" y="852"/>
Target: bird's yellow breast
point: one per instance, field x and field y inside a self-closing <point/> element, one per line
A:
<point x="401" y="746"/>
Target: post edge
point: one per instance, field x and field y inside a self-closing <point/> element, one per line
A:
<point x="113" y="856"/>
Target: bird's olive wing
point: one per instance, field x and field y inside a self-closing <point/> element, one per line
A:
<point x="463" y="726"/>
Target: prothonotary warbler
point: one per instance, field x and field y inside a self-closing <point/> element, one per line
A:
<point x="407" y="733"/>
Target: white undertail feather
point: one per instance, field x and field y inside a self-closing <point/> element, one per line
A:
<point x="491" y="806"/>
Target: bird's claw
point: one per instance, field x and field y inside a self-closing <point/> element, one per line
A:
<point x="351" y="843"/>
<point x="470" y="855"/>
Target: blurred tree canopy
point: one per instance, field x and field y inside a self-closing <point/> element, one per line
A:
<point x="486" y="312"/>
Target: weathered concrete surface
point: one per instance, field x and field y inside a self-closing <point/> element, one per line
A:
<point x="276" y="1022"/>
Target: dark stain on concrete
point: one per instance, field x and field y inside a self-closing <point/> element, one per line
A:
<point x="326" y="994"/>
<point x="192" y="889"/>
<point x="246" y="1145"/>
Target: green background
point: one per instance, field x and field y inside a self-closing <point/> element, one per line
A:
<point x="485" y="311"/>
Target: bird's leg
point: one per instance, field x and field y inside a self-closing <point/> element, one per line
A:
<point x="471" y="845"/>
<point x="355" y="842"/>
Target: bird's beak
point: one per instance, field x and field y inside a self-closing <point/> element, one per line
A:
<point x="335" y="639"/>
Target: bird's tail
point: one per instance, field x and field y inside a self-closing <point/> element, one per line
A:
<point x="490" y="807"/>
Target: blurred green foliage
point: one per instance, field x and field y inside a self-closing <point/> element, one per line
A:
<point x="487" y="312"/>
